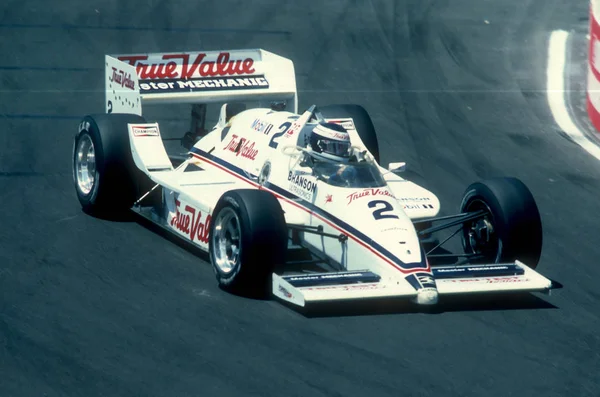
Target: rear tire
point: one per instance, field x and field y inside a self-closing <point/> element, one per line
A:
<point x="105" y="177"/>
<point x="362" y="122"/>
<point x="248" y="239"/>
<point x="513" y="222"/>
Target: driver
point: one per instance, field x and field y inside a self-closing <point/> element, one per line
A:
<point x="331" y="142"/>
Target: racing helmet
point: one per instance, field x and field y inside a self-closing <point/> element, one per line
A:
<point x="330" y="141"/>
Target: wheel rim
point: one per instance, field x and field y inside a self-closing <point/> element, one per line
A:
<point x="479" y="236"/>
<point x="85" y="164"/>
<point x="227" y="240"/>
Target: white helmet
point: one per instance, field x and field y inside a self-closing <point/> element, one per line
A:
<point x="330" y="141"/>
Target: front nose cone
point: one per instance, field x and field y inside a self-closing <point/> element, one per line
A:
<point x="427" y="296"/>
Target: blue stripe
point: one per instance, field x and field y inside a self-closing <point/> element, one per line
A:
<point x="412" y="280"/>
<point x="313" y="208"/>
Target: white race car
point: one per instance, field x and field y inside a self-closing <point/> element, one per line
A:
<point x="274" y="214"/>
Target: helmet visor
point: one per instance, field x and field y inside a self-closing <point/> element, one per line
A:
<point x="336" y="148"/>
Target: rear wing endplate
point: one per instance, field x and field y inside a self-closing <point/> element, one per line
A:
<point x="198" y="77"/>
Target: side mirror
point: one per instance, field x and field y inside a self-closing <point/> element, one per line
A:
<point x="397" y="167"/>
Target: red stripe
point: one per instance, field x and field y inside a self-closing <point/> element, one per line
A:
<point x="594" y="37"/>
<point x="356" y="239"/>
<point x="593" y="114"/>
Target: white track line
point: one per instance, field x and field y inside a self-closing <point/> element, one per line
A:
<point x="557" y="53"/>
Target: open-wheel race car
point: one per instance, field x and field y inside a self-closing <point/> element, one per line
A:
<point x="293" y="204"/>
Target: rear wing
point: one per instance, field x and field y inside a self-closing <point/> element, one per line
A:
<point x="198" y="77"/>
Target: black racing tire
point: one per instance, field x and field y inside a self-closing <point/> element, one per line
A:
<point x="514" y="217"/>
<point x="362" y="122"/>
<point x="116" y="180"/>
<point x="259" y="232"/>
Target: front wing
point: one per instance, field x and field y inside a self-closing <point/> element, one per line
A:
<point x="303" y="289"/>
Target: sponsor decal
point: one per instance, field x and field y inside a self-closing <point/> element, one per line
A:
<point x="483" y="268"/>
<point x="241" y="147"/>
<point x="368" y="192"/>
<point x="195" y="85"/>
<point x="328" y="198"/>
<point x="179" y="72"/>
<point x="327" y="276"/>
<point x="493" y="280"/>
<point x="121" y="78"/>
<point x="394" y="229"/>
<point x="189" y="222"/>
<point x="467" y="280"/>
<point x="259" y="125"/>
<point x="178" y="66"/>
<point x="331" y="134"/>
<point x="499" y="280"/>
<point x="285" y="292"/>
<point x="351" y="287"/>
<point x="348" y="124"/>
<point x="417" y="206"/>
<point x="414" y="199"/>
<point x="302" y="185"/>
<point x="296" y="127"/>
<point x="332" y="279"/>
<point x="478" y="271"/>
<point x="145" y="131"/>
<point x="300" y="192"/>
<point x="471" y="269"/>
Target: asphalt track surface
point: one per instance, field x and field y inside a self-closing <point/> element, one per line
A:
<point x="91" y="307"/>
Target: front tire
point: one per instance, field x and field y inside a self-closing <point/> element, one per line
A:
<point x="512" y="227"/>
<point x="248" y="239"/>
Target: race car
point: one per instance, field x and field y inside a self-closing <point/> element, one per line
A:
<point x="292" y="204"/>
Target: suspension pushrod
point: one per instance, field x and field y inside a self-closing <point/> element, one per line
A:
<point x="453" y="255"/>
<point x="446" y="239"/>
<point x="468" y="217"/>
<point x="318" y="230"/>
<point x="441" y="218"/>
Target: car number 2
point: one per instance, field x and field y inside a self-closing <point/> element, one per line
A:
<point x="282" y="130"/>
<point x="380" y="213"/>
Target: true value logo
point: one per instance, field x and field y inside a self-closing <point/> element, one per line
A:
<point x="190" y="223"/>
<point x="182" y="66"/>
<point x="241" y="147"/>
<point x="121" y="78"/>
<point x="368" y="192"/>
